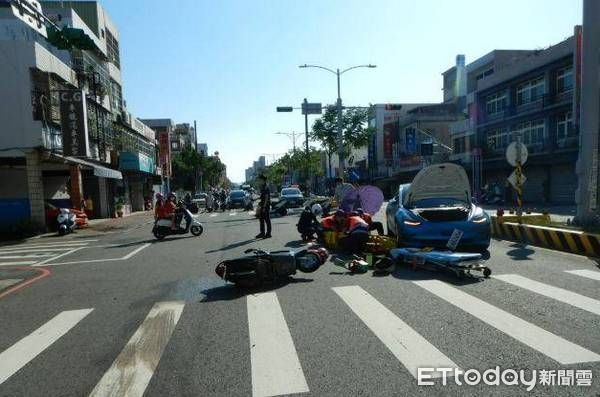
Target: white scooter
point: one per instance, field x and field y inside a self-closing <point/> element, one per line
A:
<point x="162" y="227"/>
<point x="66" y="222"/>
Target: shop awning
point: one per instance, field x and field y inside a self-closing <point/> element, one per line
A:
<point x="99" y="170"/>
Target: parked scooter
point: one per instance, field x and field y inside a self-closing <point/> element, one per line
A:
<point x="162" y="227"/>
<point x="269" y="267"/>
<point x="66" y="222"/>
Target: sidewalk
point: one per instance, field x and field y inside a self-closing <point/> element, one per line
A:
<point x="109" y="224"/>
<point x="558" y="213"/>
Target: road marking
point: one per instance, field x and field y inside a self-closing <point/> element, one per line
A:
<point x="560" y="294"/>
<point x="233" y="213"/>
<point x="133" y="368"/>
<point x="39" y="256"/>
<point x="26" y="263"/>
<point x="407" y="345"/>
<point x="7" y="282"/>
<point x="276" y="368"/>
<point x="124" y="258"/>
<point x="18" y="355"/>
<point x="58" y="256"/>
<point x="585" y="273"/>
<point x="50" y="249"/>
<point x="537" y="338"/>
<point x="135" y="251"/>
<point x="65" y="244"/>
<point x="213" y="215"/>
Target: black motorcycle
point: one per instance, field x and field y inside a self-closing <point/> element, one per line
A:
<point x="263" y="267"/>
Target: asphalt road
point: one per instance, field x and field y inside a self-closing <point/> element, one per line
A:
<point x="121" y="312"/>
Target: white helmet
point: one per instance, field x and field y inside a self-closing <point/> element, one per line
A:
<point x="316" y="209"/>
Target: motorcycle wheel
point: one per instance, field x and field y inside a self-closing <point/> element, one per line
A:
<point x="62" y="231"/>
<point x="158" y="235"/>
<point x="309" y="262"/>
<point x="196" y="230"/>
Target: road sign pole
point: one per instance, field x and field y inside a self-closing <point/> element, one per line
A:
<point x="519" y="188"/>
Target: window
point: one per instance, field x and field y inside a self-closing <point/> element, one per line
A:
<point x="564" y="126"/>
<point x="564" y="79"/>
<point x="498" y="139"/>
<point x="531" y="91"/>
<point x="485" y="74"/>
<point x="112" y="48"/>
<point x="531" y="132"/>
<point x="496" y="103"/>
<point x="175" y="145"/>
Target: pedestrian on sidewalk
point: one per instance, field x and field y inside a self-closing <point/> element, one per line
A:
<point x="264" y="208"/>
<point x="88" y="206"/>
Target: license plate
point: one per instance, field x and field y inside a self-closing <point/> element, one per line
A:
<point x="454" y="239"/>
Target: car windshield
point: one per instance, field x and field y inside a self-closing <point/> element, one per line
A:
<point x="290" y="192"/>
<point x="200" y="196"/>
<point x="237" y="194"/>
<point x="437" y="202"/>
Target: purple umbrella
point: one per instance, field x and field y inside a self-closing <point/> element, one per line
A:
<point x="369" y="198"/>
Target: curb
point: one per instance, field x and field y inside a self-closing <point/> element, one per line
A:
<point x="572" y="241"/>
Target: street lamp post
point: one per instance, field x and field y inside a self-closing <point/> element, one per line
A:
<point x="340" y="136"/>
<point x="292" y="135"/>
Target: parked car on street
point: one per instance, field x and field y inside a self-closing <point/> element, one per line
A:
<point x="293" y="197"/>
<point x="239" y="199"/>
<point x="436" y="206"/>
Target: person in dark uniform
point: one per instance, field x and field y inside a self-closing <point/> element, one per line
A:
<point x="264" y="205"/>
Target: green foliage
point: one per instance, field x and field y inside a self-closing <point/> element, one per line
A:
<point x="354" y="128"/>
<point x="298" y="162"/>
<point x="186" y="167"/>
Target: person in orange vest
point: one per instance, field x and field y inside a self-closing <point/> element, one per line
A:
<point x="336" y="222"/>
<point x="357" y="235"/>
<point x="372" y="225"/>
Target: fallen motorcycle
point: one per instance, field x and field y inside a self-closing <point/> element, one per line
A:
<point x="460" y="263"/>
<point x="263" y="267"/>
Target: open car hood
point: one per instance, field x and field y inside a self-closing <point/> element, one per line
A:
<point x="445" y="180"/>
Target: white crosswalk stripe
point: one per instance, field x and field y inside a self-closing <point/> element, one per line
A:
<point x="585" y="273"/>
<point x="559" y="294"/>
<point x="276" y="368"/>
<point x="233" y="213"/>
<point x="132" y="370"/>
<point x="22" y="352"/>
<point x="551" y="345"/>
<point x="409" y="347"/>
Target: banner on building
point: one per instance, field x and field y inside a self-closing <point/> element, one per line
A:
<point x="390" y="136"/>
<point x="73" y="112"/>
<point x="164" y="150"/>
<point x="411" y="140"/>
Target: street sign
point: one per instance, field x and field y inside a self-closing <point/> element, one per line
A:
<point x="30" y="12"/>
<point x="512" y="179"/>
<point x="312" y="108"/>
<point x="516" y="152"/>
<point x="285" y="109"/>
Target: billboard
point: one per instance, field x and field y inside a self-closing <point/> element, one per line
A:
<point x="391" y="129"/>
<point x="164" y="152"/>
<point x="73" y="112"/>
<point x="411" y="140"/>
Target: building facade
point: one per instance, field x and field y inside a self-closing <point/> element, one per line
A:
<point x="60" y="136"/>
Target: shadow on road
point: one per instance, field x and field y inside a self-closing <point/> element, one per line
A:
<point x="233" y="245"/>
<point x="295" y="244"/>
<point x="406" y="273"/>
<point x="230" y="292"/>
<point x="520" y="252"/>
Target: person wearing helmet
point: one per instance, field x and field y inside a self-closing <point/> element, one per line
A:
<point x="372" y="225"/>
<point x="308" y="224"/>
<point x="160" y="201"/>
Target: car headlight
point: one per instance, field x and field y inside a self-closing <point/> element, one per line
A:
<point x="481" y="219"/>
<point x="411" y="223"/>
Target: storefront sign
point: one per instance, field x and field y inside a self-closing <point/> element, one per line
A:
<point x="411" y="141"/>
<point x="129" y="161"/>
<point x="73" y="113"/>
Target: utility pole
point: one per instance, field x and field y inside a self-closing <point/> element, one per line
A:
<point x="586" y="195"/>
<point x="307" y="162"/>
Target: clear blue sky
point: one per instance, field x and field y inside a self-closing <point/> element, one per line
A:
<point x="228" y="64"/>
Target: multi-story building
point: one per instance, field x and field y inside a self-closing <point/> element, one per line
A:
<point x="202" y="148"/>
<point x="529" y="96"/>
<point x="58" y="135"/>
<point x="183" y="135"/>
<point x="163" y="129"/>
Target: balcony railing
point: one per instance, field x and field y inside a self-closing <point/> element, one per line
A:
<point x="543" y="102"/>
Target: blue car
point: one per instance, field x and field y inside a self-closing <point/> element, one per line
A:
<point x="436" y="207"/>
